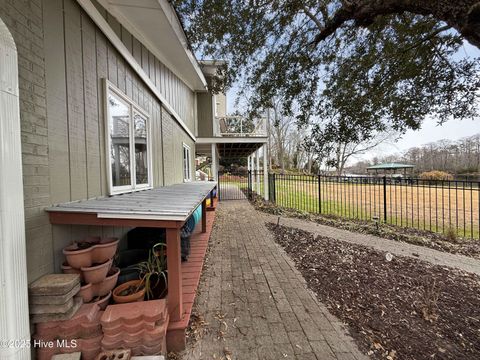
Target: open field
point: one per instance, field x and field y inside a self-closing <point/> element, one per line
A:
<point x="448" y="207"/>
<point x="427" y="207"/>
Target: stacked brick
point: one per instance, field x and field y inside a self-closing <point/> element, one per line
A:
<point x="82" y="333"/>
<point x="141" y="327"/>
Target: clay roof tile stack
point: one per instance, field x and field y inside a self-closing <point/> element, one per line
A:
<point x="82" y="333"/>
<point x="141" y="327"/>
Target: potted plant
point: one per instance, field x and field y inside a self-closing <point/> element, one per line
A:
<point x="153" y="272"/>
<point x="131" y="291"/>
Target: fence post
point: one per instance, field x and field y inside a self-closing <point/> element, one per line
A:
<point x="385" y="199"/>
<point x="274" y="196"/>
<point x="218" y="187"/>
<point x="249" y="176"/>
<point x="319" y="194"/>
<point x="270" y="187"/>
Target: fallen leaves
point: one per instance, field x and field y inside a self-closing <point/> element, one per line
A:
<point x="410" y="235"/>
<point x="398" y="309"/>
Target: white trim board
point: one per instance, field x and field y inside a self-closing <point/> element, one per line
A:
<point x="100" y="21"/>
<point x="232" y="140"/>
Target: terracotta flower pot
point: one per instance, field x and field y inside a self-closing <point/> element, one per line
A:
<point x="103" y="302"/>
<point x="78" y="258"/>
<point x="97" y="253"/>
<point x="137" y="296"/>
<point x="86" y="292"/>
<point x="67" y="269"/>
<point x="107" y="285"/>
<point x="90" y="291"/>
<point x="105" y="250"/>
<point x="96" y="274"/>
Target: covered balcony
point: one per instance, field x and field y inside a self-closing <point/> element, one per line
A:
<point x="239" y="126"/>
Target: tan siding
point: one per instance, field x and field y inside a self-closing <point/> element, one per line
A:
<point x="137" y="50"/>
<point x="205" y="114"/>
<point x="59" y="163"/>
<point x="62" y="117"/>
<point x="76" y="113"/>
<point x="114" y="24"/>
<point x="92" y="148"/>
<point x="127" y="39"/>
<point x="112" y="64"/>
<point x="102" y="73"/>
<point x="75" y="101"/>
<point x="175" y="91"/>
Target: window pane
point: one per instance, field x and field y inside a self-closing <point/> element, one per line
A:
<point x="185" y="177"/>
<point x="141" y="149"/>
<point x="119" y="124"/>
<point x="186" y="163"/>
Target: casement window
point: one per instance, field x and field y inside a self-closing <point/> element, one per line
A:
<point x="128" y="143"/>
<point x="187" y="163"/>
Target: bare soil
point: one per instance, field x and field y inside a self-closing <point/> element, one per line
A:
<point x="396" y="308"/>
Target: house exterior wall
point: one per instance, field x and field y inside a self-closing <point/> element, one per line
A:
<point x="221" y="104"/>
<point x="24" y="20"/>
<point x="205" y="114"/>
<point x="63" y="59"/>
<point x="175" y="91"/>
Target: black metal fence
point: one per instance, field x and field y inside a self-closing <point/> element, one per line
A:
<point x="233" y="185"/>
<point x="434" y="205"/>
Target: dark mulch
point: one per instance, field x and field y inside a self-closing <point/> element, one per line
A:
<point x="398" y="309"/>
<point x="414" y="236"/>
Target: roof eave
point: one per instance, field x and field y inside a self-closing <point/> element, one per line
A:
<point x="126" y="12"/>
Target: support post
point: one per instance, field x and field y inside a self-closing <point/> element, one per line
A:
<point x="214" y="162"/>
<point x="254" y="174"/>
<point x="204" y="215"/>
<point x="257" y="158"/>
<point x="265" y="173"/>
<point x="14" y="321"/>
<point x="174" y="264"/>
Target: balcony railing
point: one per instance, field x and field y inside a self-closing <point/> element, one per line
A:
<point x="239" y="126"/>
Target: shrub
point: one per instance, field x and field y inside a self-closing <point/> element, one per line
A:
<point x="451" y="234"/>
<point x="436" y="175"/>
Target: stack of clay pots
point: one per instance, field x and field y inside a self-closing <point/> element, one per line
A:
<point x="139" y="326"/>
<point x="92" y="259"/>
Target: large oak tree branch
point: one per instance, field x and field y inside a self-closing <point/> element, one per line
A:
<point x="462" y="15"/>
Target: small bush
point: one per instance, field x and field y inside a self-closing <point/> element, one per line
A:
<point x="451" y="234"/>
<point x="436" y="175"/>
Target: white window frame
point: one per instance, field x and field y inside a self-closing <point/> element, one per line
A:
<point x="187" y="178"/>
<point x="134" y="108"/>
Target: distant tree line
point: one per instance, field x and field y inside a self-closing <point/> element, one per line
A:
<point x="460" y="158"/>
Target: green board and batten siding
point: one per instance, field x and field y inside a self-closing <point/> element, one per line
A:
<point x="78" y="57"/>
<point x="205" y="114"/>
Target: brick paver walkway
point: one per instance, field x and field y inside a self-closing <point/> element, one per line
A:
<point x="256" y="303"/>
<point x="433" y="256"/>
